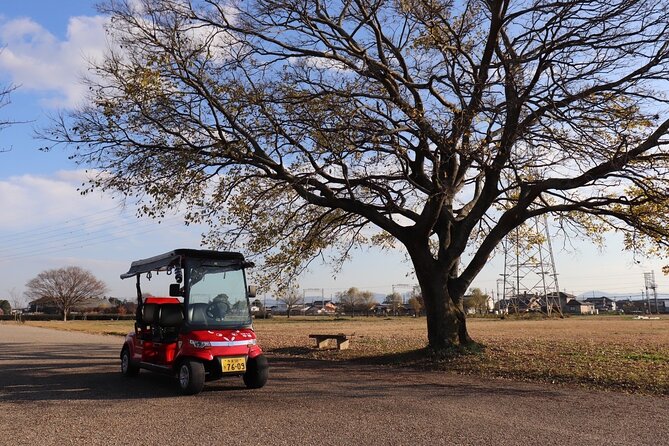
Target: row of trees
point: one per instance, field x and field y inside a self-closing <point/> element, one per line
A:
<point x="354" y="301"/>
<point x="351" y="301"/>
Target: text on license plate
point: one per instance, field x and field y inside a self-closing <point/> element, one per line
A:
<point x="233" y="364"/>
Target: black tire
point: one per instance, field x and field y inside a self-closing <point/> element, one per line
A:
<point x="257" y="372"/>
<point x="191" y="377"/>
<point x="128" y="368"/>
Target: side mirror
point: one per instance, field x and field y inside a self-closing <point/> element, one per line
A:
<point x="252" y="291"/>
<point x="175" y="290"/>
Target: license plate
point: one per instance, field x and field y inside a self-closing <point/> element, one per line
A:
<point x="233" y="364"/>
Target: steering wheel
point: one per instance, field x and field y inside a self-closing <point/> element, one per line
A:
<point x="217" y="310"/>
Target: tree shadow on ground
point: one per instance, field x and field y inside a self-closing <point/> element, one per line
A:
<point x="386" y="375"/>
<point x="419" y="359"/>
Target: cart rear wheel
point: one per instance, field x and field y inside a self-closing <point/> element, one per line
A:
<point x="191" y="377"/>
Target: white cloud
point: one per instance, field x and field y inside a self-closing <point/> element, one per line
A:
<point x="36" y="200"/>
<point x="36" y="60"/>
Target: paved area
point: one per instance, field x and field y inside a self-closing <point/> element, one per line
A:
<point x="61" y="388"/>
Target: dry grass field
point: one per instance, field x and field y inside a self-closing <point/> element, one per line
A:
<point x="613" y="353"/>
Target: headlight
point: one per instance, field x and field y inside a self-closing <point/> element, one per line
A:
<point x="199" y="344"/>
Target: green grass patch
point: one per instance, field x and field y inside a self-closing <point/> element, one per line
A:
<point x="653" y="357"/>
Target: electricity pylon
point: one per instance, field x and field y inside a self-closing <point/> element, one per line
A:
<point x="530" y="277"/>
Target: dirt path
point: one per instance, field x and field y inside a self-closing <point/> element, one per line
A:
<point x="60" y="388"/>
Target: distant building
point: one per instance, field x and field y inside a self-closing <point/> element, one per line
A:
<point x="603" y="304"/>
<point x="560" y="299"/>
<point x="629" y="306"/>
<point x="321" y="308"/>
<point x="43" y="305"/>
<point x="527" y="303"/>
<point x="662" y="305"/>
<point x="576" y="306"/>
<point x="520" y="304"/>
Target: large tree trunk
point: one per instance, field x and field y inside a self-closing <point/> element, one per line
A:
<point x="446" y="321"/>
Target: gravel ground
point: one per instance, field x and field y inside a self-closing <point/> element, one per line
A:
<point x="64" y="388"/>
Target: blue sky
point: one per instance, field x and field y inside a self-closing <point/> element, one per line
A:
<point x="46" y="224"/>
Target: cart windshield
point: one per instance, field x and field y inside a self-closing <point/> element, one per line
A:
<point x="217" y="297"/>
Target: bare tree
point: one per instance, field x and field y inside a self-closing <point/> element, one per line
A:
<point x="353" y="300"/>
<point x="416" y="303"/>
<point x="291" y="298"/>
<point x="349" y="300"/>
<point x="395" y="301"/>
<point x="16" y="299"/>
<point x="299" y="128"/>
<point x="65" y="287"/>
<point x="366" y="301"/>
<point x="5" y="92"/>
<point x="477" y="300"/>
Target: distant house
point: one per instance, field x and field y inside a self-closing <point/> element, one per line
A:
<point x="662" y="305"/>
<point x="282" y="309"/>
<point x="603" y="304"/>
<point x="524" y="303"/>
<point x="561" y="298"/>
<point x="528" y="302"/>
<point x="643" y="306"/>
<point x="43" y="305"/>
<point x="319" y="308"/>
<point x="576" y="306"/>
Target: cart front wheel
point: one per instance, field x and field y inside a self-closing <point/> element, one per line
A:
<point x="257" y="372"/>
<point x="128" y="368"/>
<point x="191" y="377"/>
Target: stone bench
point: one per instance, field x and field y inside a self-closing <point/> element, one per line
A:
<point x="322" y="340"/>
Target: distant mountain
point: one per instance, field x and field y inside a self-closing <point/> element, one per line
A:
<point x="616" y="295"/>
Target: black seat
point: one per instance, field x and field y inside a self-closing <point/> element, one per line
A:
<point x="147" y="317"/>
<point x="149" y="314"/>
<point x="170" y="315"/>
<point x="170" y="319"/>
<point x="197" y="313"/>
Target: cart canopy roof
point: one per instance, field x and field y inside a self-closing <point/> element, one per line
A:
<point x="172" y="259"/>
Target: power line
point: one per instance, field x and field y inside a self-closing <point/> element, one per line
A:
<point x="79" y="228"/>
<point x="90" y="231"/>
<point x="78" y="244"/>
<point x="78" y="232"/>
<point x="45" y="229"/>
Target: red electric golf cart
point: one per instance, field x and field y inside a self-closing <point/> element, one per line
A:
<point x="203" y="330"/>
